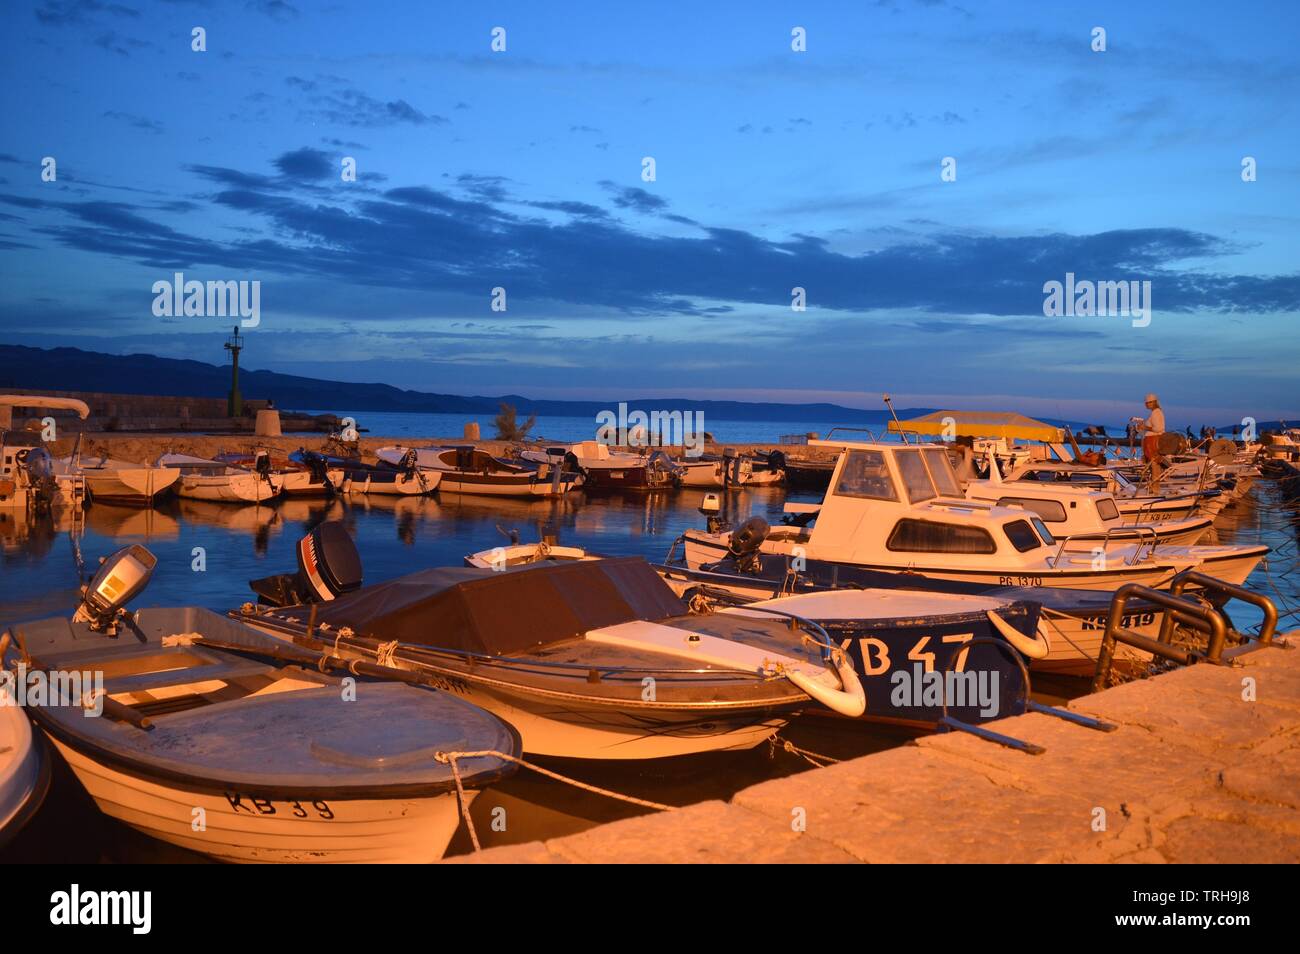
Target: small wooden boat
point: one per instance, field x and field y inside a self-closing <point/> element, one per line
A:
<point x="220" y="739"/>
<point x="24" y="765"/>
<point x="606" y="470"/>
<point x="203" y="479"/>
<point x="315" y="479"/>
<point x="464" y="469"/>
<point x="402" y="479"/>
<point x="588" y="659"/>
<point x="118" y="481"/>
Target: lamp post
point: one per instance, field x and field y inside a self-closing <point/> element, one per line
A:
<point x="234" y="403"/>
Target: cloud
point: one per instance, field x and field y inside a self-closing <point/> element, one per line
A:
<point x="637" y="199"/>
<point x="422" y="238"/>
<point x="139" y="122"/>
<point x="305" y="164"/>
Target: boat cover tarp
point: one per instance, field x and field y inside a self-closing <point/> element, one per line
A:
<point x="980" y="424"/>
<point x="501" y="612"/>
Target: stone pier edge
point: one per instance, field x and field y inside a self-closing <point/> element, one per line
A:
<point x="1203" y="768"/>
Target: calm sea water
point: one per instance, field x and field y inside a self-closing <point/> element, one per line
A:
<point x="569" y="429"/>
<point x="42" y="562"/>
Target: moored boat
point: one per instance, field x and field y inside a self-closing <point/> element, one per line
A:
<point x="587" y="659"/>
<point x="117" y="481"/>
<point x="220" y="739"/>
<point x="204" y="479"/>
<point x="24" y="764"/>
<point x="464" y="469"/>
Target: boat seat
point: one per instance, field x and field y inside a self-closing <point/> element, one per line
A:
<point x="150" y="666"/>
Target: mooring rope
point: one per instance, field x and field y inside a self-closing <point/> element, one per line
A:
<point x="451" y="758"/>
<point x="814" y="759"/>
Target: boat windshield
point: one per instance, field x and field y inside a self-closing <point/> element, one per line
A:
<point x="941" y="471"/>
<point x="915" y="477"/>
<point x="865" y="474"/>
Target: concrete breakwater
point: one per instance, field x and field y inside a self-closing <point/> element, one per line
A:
<point x="1204" y="767"/>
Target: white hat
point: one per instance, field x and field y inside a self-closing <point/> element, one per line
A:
<point x="1151" y="399"/>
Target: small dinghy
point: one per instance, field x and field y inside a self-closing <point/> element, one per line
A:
<point x="402" y="479"/>
<point x="314" y="479"/>
<point x="467" y="470"/>
<point x="24" y="766"/>
<point x="587" y="659"/>
<point x="117" y="481"/>
<point x="203" y="479"/>
<point x="217" y="738"/>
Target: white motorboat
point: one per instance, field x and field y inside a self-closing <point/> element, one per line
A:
<point x="117" y="481"/>
<point x="203" y="479"/>
<point x="899" y="509"/>
<point x="28" y="477"/>
<point x="464" y="469"/>
<point x="24" y="765"/>
<point x="1134" y="501"/>
<point x="220" y="739"/>
<point x="1083" y="515"/>
<point x="604" y="469"/>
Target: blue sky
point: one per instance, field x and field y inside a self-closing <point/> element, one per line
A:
<point x="523" y="169"/>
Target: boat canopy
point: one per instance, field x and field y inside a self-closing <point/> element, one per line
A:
<point x="980" y="424"/>
<point x="49" y="403"/>
<point x="500" y="612"/>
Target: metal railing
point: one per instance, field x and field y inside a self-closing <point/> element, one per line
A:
<point x="1131" y="560"/>
<point x="1178" y="609"/>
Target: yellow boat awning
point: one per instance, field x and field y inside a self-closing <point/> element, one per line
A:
<point x="1006" y="424"/>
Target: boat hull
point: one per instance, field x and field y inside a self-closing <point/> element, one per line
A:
<point x="140" y="485"/>
<point x="499" y="486"/>
<point x="24" y="771"/>
<point x="231" y="488"/>
<point x="394" y="485"/>
<point x="702" y="550"/>
<point x="244" y="827"/>
<point x="571" y="727"/>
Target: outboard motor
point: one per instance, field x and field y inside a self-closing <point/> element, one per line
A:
<point x="328" y="566"/>
<point x="122" y="576"/>
<point x="745" y="543"/>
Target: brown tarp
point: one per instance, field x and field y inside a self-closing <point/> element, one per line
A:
<point x="501" y="613"/>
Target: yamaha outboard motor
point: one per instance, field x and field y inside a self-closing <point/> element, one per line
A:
<point x="328" y="566"/>
<point x="745" y="543"/>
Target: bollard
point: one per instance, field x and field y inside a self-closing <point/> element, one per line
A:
<point x="472" y="432"/>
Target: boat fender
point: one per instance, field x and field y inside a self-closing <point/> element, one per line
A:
<point x="1035" y="647"/>
<point x="849" y="700"/>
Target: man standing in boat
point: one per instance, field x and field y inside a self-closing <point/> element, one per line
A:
<point x="1151" y="428"/>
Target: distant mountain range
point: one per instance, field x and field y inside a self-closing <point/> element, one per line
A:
<point x="71" y="369"/>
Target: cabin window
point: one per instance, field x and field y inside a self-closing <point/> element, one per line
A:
<point x="941" y="471"/>
<point x="1022" y="536"/>
<point x="928" y="536"/>
<point x="915" y="477"/>
<point x="1044" y="532"/>
<point x="865" y="474"/>
<point x="1050" y="510"/>
<point x="1087" y="479"/>
<point x="1106" y="508"/>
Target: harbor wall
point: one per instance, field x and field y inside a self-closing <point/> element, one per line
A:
<point x="1203" y="768"/>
